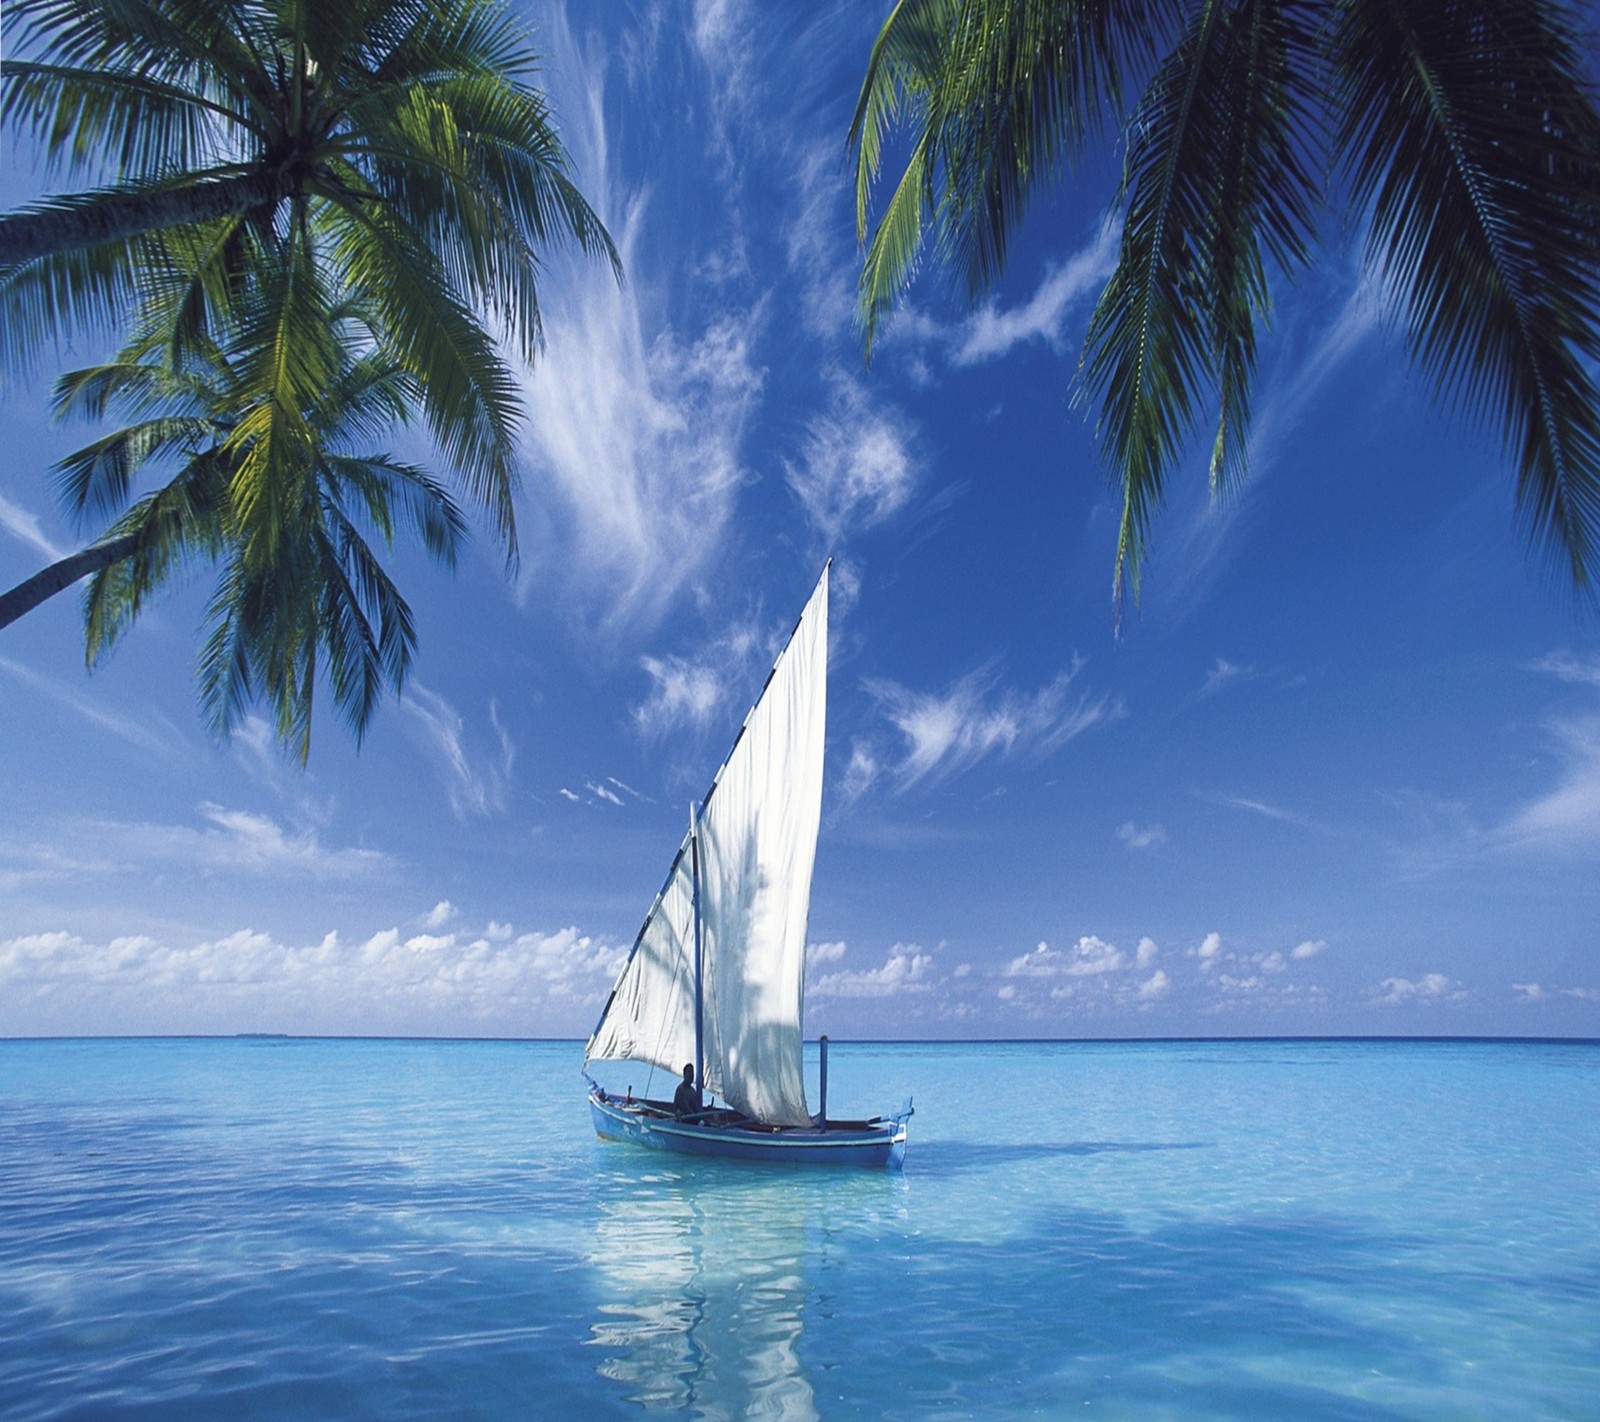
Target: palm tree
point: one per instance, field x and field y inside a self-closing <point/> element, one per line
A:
<point x="1463" y="134"/>
<point x="313" y="599"/>
<point x="392" y="147"/>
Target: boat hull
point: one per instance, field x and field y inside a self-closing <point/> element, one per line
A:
<point x="879" y="1144"/>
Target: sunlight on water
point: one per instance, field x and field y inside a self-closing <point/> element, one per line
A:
<point x="296" y="1229"/>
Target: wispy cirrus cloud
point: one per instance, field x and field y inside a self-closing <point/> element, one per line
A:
<point x="681" y="693"/>
<point x="1569" y="667"/>
<point x="945" y="733"/>
<point x="227" y="840"/>
<point x="25" y="527"/>
<point x="134" y="731"/>
<point x="1224" y="673"/>
<point x="634" y="426"/>
<point x="818" y="257"/>
<point x="992" y="333"/>
<point x="856" y="468"/>
<point x="1264" y="808"/>
<point x="1141" y="837"/>
<point x="476" y="780"/>
<point x="1566" y="816"/>
<point x="687" y="692"/>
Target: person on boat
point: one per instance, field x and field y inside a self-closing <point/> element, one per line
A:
<point x="686" y="1099"/>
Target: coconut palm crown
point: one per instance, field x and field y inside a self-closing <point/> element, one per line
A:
<point x="313" y="604"/>
<point x="1461" y="137"/>
<point x="390" y="149"/>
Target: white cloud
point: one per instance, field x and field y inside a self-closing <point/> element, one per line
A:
<point x="681" y="693"/>
<point x="1042" y="962"/>
<point x="946" y="733"/>
<point x="1154" y="986"/>
<point x="231" y="840"/>
<point x="1147" y="837"/>
<point x="1088" y="957"/>
<point x="860" y="773"/>
<point x="818" y="258"/>
<point x="1146" y="953"/>
<point x="1309" y="949"/>
<point x="1570" y="667"/>
<point x="1434" y="987"/>
<point x="1208" y="950"/>
<point x="991" y="333"/>
<point x="476" y="781"/>
<point x="440" y="914"/>
<point x="824" y="952"/>
<point x="21" y="524"/>
<point x="248" y="980"/>
<point x="1262" y="808"/>
<point x="1197" y="549"/>
<point x="905" y="970"/>
<point x="855" y="468"/>
<point x="1528" y="992"/>
<point x="1566" y="817"/>
<point x="134" y="730"/>
<point x="722" y="33"/>
<point x="1224" y="673"/>
<point x="634" y="428"/>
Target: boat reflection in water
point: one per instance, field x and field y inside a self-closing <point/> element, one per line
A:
<point x="708" y="1272"/>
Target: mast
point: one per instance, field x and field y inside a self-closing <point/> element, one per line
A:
<point x="699" y="957"/>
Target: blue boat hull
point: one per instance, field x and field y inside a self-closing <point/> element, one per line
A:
<point x="879" y="1144"/>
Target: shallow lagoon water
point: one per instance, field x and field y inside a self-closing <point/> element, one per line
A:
<point x="294" y="1229"/>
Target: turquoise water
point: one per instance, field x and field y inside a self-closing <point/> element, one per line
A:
<point x="313" y="1229"/>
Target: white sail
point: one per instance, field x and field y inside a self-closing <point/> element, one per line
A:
<point x="756" y="843"/>
<point x="650" y="1017"/>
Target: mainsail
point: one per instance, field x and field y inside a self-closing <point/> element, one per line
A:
<point x="751" y="848"/>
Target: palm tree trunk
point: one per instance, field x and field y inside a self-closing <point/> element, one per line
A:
<point x="67" y="224"/>
<point x="49" y="581"/>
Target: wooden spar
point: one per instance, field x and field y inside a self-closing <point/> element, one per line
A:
<point x="822" y="1113"/>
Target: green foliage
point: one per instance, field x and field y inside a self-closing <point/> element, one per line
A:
<point x="300" y="188"/>
<point x="1463" y="134"/>
<point x="277" y="501"/>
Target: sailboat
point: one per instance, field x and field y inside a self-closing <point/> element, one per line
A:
<point x="715" y="978"/>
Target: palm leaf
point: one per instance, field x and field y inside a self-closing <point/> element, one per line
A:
<point x="1474" y="137"/>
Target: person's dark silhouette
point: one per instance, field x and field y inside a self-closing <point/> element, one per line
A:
<point x="686" y="1099"/>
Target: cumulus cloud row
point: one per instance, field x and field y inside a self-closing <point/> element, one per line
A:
<point x="906" y="969"/>
<point x="496" y="982"/>
<point x="1090" y="972"/>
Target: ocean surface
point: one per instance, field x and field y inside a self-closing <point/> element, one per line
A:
<point x="298" y="1229"/>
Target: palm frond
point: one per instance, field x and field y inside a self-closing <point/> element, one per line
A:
<point x="1473" y="134"/>
<point x="1213" y="171"/>
<point x="997" y="95"/>
<point x="469" y="396"/>
<point x="97" y="479"/>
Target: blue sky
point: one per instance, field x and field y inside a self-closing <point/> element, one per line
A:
<point x="1339" y="772"/>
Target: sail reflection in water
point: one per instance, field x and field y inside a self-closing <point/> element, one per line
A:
<point x="708" y="1275"/>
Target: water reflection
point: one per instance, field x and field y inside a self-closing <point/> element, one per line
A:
<point x="706" y="1272"/>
